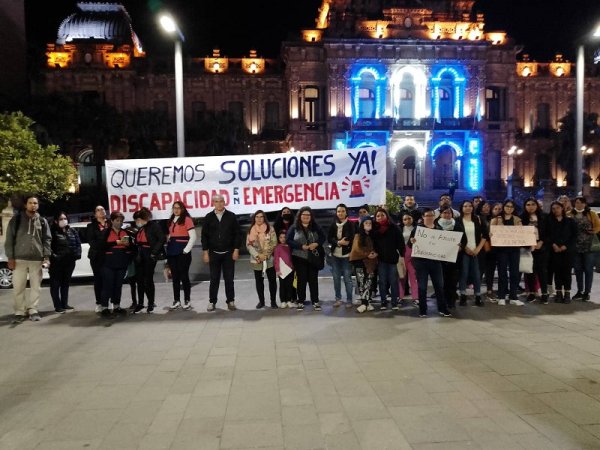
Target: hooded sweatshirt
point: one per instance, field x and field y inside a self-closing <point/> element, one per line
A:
<point x="31" y="241"/>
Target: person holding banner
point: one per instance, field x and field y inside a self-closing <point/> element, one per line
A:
<point x="261" y="242"/>
<point x="508" y="258"/>
<point x="340" y="237"/>
<point x="389" y="246"/>
<point x="533" y="215"/>
<point x="181" y="239"/>
<point x="562" y="238"/>
<point x="221" y="242"/>
<point x="475" y="236"/>
<point x="303" y="237"/>
<point x="429" y="268"/>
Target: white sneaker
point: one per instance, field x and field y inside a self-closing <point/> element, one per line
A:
<point x="502" y="302"/>
<point x="337" y="303"/>
<point x="210" y="307"/>
<point x="175" y="305"/>
<point x="293" y="305"/>
<point x="517" y="302"/>
<point x="283" y="305"/>
<point x="187" y="305"/>
<point x="357" y="303"/>
<point x="361" y="309"/>
<point x="370" y="307"/>
<point x="99" y="308"/>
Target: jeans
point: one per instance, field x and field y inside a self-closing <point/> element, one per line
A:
<point x="388" y="282"/>
<point x="508" y="260"/>
<point x="180" y="272"/>
<point x="259" y="281"/>
<point x="429" y="268"/>
<point x="60" y="276"/>
<point x="470" y="271"/>
<point x="112" y="284"/>
<point x="340" y="267"/>
<point x="221" y="262"/>
<point x="583" y="264"/>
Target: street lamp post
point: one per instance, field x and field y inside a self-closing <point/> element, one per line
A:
<point x="170" y="26"/>
<point x="579" y="85"/>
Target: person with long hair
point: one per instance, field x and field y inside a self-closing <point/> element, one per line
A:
<point x="508" y="257"/>
<point x="94" y="234"/>
<point x="429" y="268"/>
<point x="180" y="241"/>
<point x="408" y="225"/>
<point x="490" y="257"/>
<point x="150" y="241"/>
<point x="364" y="259"/>
<point x="221" y="243"/>
<point x="66" y="250"/>
<point x="284" y="268"/>
<point x="303" y="237"/>
<point x="474" y="238"/>
<point x="588" y="224"/>
<point x="284" y="220"/>
<point x="533" y="215"/>
<point x="261" y="242"/>
<point x="389" y="246"/>
<point x="447" y="222"/>
<point x="562" y="238"/>
<point x="118" y="252"/>
<point x="340" y="237"/>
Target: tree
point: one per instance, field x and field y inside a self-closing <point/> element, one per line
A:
<point x="28" y="167"/>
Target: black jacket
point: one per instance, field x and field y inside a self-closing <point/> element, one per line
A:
<point x="390" y="245"/>
<point x="348" y="232"/>
<point x="66" y="246"/>
<point x="480" y="230"/>
<point x="96" y="239"/>
<point x="221" y="236"/>
<point x="542" y="227"/>
<point x="155" y="236"/>
<point x="562" y="233"/>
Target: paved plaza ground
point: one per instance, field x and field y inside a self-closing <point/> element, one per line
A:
<point x="491" y="378"/>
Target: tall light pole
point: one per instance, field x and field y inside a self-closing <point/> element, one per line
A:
<point x="170" y="26"/>
<point x="579" y="84"/>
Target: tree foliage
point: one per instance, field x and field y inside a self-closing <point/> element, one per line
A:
<point x="26" y="166"/>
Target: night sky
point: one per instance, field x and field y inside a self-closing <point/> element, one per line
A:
<point x="543" y="27"/>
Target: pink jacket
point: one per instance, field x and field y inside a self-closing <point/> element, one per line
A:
<point x="284" y="252"/>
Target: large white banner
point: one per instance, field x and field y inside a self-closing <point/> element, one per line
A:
<point x="320" y="179"/>
<point x="438" y="245"/>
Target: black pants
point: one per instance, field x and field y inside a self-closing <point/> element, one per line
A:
<point x="490" y="268"/>
<point x="221" y="262"/>
<point x="540" y="269"/>
<point x="260" y="284"/>
<point x="112" y="284"/>
<point x="450" y="275"/>
<point x="96" y="265"/>
<point x="562" y="263"/>
<point x="286" y="288"/>
<point x="144" y="277"/>
<point x="180" y="273"/>
<point x="306" y="274"/>
<point x="60" y="276"/>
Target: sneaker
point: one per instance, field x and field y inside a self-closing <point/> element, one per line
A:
<point x="150" y="309"/>
<point x="415" y="303"/>
<point x="463" y="300"/>
<point x="516" y="302"/>
<point x="19" y="319"/>
<point x="231" y="305"/>
<point x="578" y="295"/>
<point x="445" y="314"/>
<point x="176" y="304"/>
<point x="105" y="312"/>
<point x="68" y="308"/>
<point x="210" y="307"/>
<point x="423" y="316"/>
<point x="585" y="297"/>
<point x="133" y="306"/>
<point x="383" y="307"/>
<point x="544" y="299"/>
<point x="284" y="305"/>
<point x="356" y="303"/>
<point x="501" y="302"/>
<point x="138" y="308"/>
<point x="337" y="304"/>
<point x="395" y="308"/>
<point x="274" y="305"/>
<point x="99" y="308"/>
<point x="120" y="311"/>
<point x="260" y="305"/>
<point x="35" y="317"/>
<point x="60" y="310"/>
<point x="567" y="297"/>
<point x="558" y="297"/>
<point x="187" y="305"/>
<point x="478" y="301"/>
<point x="292" y="305"/>
<point x="348" y="305"/>
<point x="531" y="298"/>
<point x="361" y="309"/>
<point x="370" y="307"/>
<point x="300" y="306"/>
<point x="317" y="306"/>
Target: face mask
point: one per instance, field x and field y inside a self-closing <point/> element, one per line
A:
<point x="580" y="210"/>
<point x="63" y="223"/>
<point x="139" y="224"/>
<point x="286" y="217"/>
<point x="445" y="222"/>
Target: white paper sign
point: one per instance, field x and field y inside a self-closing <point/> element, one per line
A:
<point x="512" y="236"/>
<point x="284" y="269"/>
<point x="320" y="179"/>
<point x="438" y="245"/>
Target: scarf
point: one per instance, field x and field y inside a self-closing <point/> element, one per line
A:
<point x="446" y="224"/>
<point x="383" y="226"/>
<point x="258" y="235"/>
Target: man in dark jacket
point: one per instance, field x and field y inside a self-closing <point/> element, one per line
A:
<point x="221" y="242"/>
<point x="27" y="246"/>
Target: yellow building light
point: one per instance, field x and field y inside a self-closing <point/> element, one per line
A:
<point x="59" y="60"/>
<point x="312" y="35"/>
<point x="559" y="67"/>
<point x="216" y="64"/>
<point x="253" y="64"/>
<point x="496" y="38"/>
<point x="117" y="60"/>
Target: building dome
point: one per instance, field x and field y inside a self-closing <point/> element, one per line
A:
<point x="98" y="21"/>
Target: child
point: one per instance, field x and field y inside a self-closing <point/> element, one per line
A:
<point x="364" y="259"/>
<point x="283" y="257"/>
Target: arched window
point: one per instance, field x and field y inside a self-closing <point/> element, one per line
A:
<point x="406" y="108"/>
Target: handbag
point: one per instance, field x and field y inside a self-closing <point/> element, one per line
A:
<point x="595" y="247"/>
<point x="316" y="257"/>
<point x="526" y="261"/>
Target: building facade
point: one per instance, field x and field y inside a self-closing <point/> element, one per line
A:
<point x="424" y="79"/>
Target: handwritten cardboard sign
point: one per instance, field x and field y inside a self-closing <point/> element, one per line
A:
<point x="438" y="245"/>
<point x="515" y="236"/>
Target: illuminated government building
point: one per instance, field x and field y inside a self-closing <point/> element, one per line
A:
<point x="446" y="97"/>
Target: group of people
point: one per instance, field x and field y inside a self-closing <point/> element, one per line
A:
<point x="374" y="250"/>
